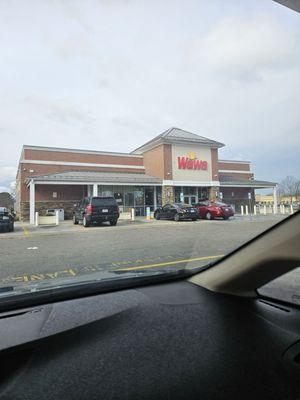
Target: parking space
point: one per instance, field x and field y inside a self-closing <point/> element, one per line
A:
<point x="43" y="253"/>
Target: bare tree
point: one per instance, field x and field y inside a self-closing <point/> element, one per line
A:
<point x="6" y="200"/>
<point x="290" y="187"/>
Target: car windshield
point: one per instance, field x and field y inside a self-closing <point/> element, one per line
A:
<point x="122" y="122"/>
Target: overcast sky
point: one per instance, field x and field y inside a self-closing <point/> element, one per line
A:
<point x="112" y="74"/>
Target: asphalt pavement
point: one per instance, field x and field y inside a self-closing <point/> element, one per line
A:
<point x="39" y="254"/>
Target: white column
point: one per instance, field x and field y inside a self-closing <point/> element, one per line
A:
<point x="275" y="207"/>
<point x="95" y="189"/>
<point x="155" y="202"/>
<point x="31" y="202"/>
<point x="246" y="210"/>
<point x="242" y="210"/>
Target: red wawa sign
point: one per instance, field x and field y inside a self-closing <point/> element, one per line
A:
<point x="191" y="162"/>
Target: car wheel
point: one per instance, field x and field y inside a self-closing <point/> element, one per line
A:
<point x="208" y="215"/>
<point x="12" y="228"/>
<point x="75" y="220"/>
<point x="226" y="217"/>
<point x="156" y="216"/>
<point x="194" y="219"/>
<point x="85" y="222"/>
<point x="177" y="217"/>
<point x="113" y="222"/>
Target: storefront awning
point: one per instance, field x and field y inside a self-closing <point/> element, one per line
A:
<point x="248" y="183"/>
<point x="89" y="177"/>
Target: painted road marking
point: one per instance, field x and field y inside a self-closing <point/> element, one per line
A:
<point x="32" y="248"/>
<point x="188" y="260"/>
<point x="71" y="272"/>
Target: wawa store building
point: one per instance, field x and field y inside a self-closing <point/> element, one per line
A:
<point x="175" y="166"/>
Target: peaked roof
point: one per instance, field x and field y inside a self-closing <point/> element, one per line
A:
<point x="176" y="135"/>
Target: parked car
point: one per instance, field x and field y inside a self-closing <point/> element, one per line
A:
<point x="7" y="219"/>
<point x="96" y="210"/>
<point x="176" y="212"/>
<point x="211" y="210"/>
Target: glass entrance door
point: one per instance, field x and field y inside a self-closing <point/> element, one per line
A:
<point x="191" y="200"/>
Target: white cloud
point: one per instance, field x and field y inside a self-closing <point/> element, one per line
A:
<point x="245" y="48"/>
<point x="7" y="173"/>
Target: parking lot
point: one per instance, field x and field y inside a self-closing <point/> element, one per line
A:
<point x="46" y="253"/>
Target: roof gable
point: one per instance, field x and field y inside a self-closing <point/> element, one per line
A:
<point x="176" y="135"/>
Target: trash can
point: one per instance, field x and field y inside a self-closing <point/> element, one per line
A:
<point x="61" y="213"/>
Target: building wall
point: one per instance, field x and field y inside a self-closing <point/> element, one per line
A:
<point x="234" y="165"/>
<point x="238" y="196"/>
<point x="30" y="154"/>
<point x="158" y="161"/>
<point x="63" y="192"/>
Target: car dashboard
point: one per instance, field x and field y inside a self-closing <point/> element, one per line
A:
<point x="174" y="340"/>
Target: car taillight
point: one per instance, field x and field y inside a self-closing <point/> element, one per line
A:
<point x="89" y="209"/>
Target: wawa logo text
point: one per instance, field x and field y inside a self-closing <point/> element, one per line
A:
<point x="191" y="162"/>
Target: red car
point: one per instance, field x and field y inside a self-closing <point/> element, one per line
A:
<point x="211" y="210"/>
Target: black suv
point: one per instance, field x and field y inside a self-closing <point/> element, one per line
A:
<point x="96" y="210"/>
<point x="7" y="219"/>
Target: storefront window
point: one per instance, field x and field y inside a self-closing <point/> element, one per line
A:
<point x="105" y="191"/>
<point x="139" y="200"/>
<point x="177" y="194"/>
<point x="119" y="196"/>
<point x="190" y="191"/>
<point x="149" y="197"/>
<point x="129" y="197"/>
<point x="203" y="193"/>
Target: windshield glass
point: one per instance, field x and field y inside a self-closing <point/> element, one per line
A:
<point x="160" y="109"/>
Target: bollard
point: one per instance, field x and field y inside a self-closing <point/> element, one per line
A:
<point x="265" y="210"/>
<point x="292" y="209"/>
<point x="132" y="214"/>
<point x="36" y="219"/>
<point x="56" y="217"/>
<point x="242" y="210"/>
<point x="246" y="207"/>
<point x="254" y="209"/>
<point x="148" y="213"/>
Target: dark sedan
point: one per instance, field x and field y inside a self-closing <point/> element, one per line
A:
<point x="211" y="210"/>
<point x="176" y="212"/>
<point x="7" y="219"/>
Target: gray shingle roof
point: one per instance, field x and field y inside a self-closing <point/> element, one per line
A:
<point x="174" y="135"/>
<point x="90" y="177"/>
